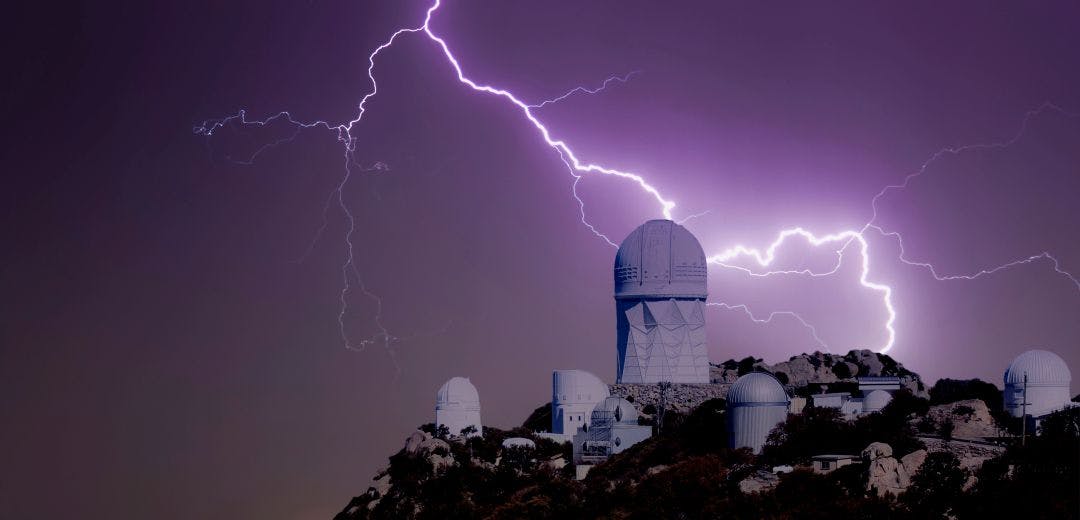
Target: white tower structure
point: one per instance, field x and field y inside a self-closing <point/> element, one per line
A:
<point x="457" y="406"/>
<point x="660" y="290"/>
<point x="1047" y="388"/>
<point x="757" y="402"/>
<point x="574" y="394"/>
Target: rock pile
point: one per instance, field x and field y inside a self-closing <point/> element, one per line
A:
<point x="681" y="398"/>
<point x="887" y="474"/>
<point x="971" y="419"/>
<point x="822" y="368"/>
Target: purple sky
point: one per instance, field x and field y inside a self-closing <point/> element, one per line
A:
<point x="164" y="354"/>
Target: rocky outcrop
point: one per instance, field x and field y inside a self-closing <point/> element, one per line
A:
<point x="436" y="451"/>
<point x="759" y="481"/>
<point x="681" y="398"/>
<point x="971" y="419"/>
<point x="820" y="368"/>
<point x="806" y="369"/>
<point x="799" y="371"/>
<point x="886" y="474"/>
<point x="971" y="455"/>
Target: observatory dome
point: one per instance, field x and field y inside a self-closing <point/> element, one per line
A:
<point x="518" y="442"/>
<point x="577" y="386"/>
<point x="757" y="388"/>
<point x="574" y="393"/>
<point x="614" y="410"/>
<point x="1042" y="368"/>
<point x="876" y="400"/>
<point x="660" y="259"/>
<point x="1047" y="386"/>
<point x="457" y="393"/>
<point x="757" y="402"/>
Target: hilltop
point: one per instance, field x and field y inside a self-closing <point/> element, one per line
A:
<point x="930" y="453"/>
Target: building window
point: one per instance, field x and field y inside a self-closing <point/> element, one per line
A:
<point x="825" y="465"/>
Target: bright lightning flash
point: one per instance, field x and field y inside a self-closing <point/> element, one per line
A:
<point x="578" y="168"/>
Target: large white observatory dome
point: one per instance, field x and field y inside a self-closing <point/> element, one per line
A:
<point x="1046" y="388"/>
<point x="757" y="388"/>
<point x="757" y="402"/>
<point x="457" y="406"/>
<point x="660" y="259"/>
<point x="574" y="394"/>
<point x="457" y="393"/>
<point x="1042" y="368"/>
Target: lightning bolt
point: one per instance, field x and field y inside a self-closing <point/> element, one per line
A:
<point x="772" y="315"/>
<point x="845" y="238"/>
<point x="582" y="90"/>
<point x="578" y="168"/>
<point x="954" y="151"/>
<point x="766" y="259"/>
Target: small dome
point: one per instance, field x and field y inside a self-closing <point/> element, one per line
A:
<point x="757" y="388"/>
<point x="576" y="386"/>
<point x="615" y="409"/>
<point x="876" y="400"/>
<point x="660" y="258"/>
<point x="457" y="393"/>
<point x="518" y="442"/>
<point x="1042" y="368"/>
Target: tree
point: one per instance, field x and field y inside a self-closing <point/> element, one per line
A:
<point x="816" y="430"/>
<point x="946" y="429"/>
<point x="952" y="390"/>
<point x="936" y="489"/>
<point x="746" y="365"/>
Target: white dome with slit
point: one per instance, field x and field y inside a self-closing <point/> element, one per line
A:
<point x="574" y="394"/>
<point x="615" y="410"/>
<point x="660" y="259"/>
<point x="457" y="406"/>
<point x="757" y="402"/>
<point x="1039" y="377"/>
<point x="457" y="393"/>
<point x="757" y="388"/>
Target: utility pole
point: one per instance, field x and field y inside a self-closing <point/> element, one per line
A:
<point x="1023" y="414"/>
<point x="661" y="410"/>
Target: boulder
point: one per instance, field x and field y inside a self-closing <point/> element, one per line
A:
<point x="868" y="359"/>
<point x="807" y="368"/>
<point x="876" y="450"/>
<point x="758" y="481"/>
<point x="422" y="443"/>
<point x="887" y="475"/>
<point x="971" y="418"/>
<point x="556" y="462"/>
<point x="913" y="461"/>
<point x="415" y="441"/>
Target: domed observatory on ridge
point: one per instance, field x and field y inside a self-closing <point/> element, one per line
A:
<point x="660" y="290"/>
<point x="1041" y="379"/>
<point x="756" y="403"/>
<point x="574" y="394"/>
<point x="457" y="406"/>
<point x="613" y="427"/>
